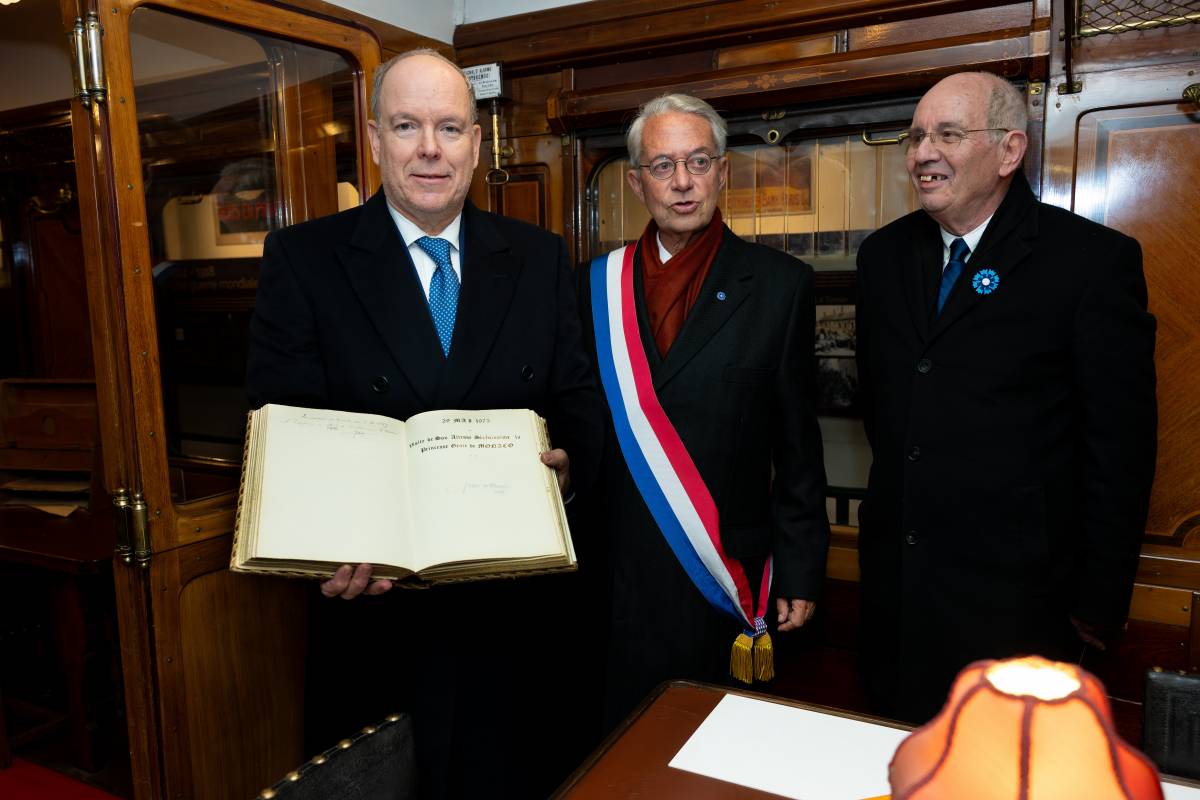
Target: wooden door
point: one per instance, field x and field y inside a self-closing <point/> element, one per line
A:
<point x="530" y="186"/>
<point x="212" y="124"/>
<point x="1124" y="151"/>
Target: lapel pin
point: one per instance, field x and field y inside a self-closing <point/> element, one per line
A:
<point x="985" y="281"/>
<point x="720" y="295"/>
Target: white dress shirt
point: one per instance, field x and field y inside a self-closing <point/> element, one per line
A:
<point x="426" y="266"/>
<point x="971" y="237"/>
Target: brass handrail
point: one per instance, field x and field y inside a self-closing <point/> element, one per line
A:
<point x="897" y="139"/>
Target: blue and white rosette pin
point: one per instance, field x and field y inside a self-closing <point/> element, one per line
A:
<point x="985" y="281"/>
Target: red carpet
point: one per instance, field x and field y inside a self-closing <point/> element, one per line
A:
<point x="25" y="781"/>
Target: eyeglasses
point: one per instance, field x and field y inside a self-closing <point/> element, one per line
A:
<point x="696" y="164"/>
<point x="944" y="138"/>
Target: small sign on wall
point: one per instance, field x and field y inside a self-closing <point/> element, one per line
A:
<point x="485" y="80"/>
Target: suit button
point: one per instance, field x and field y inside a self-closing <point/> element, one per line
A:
<point x="380" y="385"/>
<point x="924" y="365"/>
<point x="914" y="453"/>
<point x="910" y="537"/>
<point x="527" y="373"/>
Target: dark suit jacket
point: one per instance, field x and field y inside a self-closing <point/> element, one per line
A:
<point x="341" y="322"/>
<point x="1013" y="440"/>
<point x="737" y="384"/>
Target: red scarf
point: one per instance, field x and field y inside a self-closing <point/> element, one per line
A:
<point x="672" y="289"/>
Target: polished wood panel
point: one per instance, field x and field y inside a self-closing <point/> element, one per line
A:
<point x="1161" y="604"/>
<point x="1166" y="565"/>
<point x="523" y="109"/>
<point x="51" y="414"/>
<point x="645" y="26"/>
<point x="55" y="292"/>
<point x="1122" y="152"/>
<point x="774" y="52"/>
<point x="1140" y="49"/>
<point x="536" y="169"/>
<point x="631" y="70"/>
<point x="924" y="29"/>
<point x="524" y="196"/>
<point x="255" y="657"/>
<point x="842" y="562"/>
<point x="229" y="657"/>
<point x="840" y="76"/>
<point x="1138" y="170"/>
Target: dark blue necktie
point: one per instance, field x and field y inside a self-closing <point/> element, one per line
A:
<point x="954" y="267"/>
<point x="443" y="290"/>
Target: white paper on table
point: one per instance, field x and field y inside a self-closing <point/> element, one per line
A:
<point x="802" y="754"/>
<point x="790" y="751"/>
<point x="1173" y="792"/>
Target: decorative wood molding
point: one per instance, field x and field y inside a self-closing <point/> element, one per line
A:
<point x="609" y="29"/>
<point x="887" y="70"/>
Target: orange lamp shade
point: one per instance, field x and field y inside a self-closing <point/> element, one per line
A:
<point x="1022" y="729"/>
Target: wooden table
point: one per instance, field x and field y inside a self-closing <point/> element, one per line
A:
<point x="632" y="761"/>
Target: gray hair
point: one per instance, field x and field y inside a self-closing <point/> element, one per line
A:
<point x="1006" y="106"/>
<point x="382" y="70"/>
<point x="683" y="104"/>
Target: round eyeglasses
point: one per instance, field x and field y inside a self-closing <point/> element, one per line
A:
<point x="696" y="164"/>
<point x="945" y="138"/>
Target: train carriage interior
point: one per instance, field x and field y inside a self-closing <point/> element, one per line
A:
<point x="148" y="147"/>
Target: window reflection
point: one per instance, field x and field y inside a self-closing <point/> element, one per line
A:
<point x="240" y="135"/>
<point x="815" y="198"/>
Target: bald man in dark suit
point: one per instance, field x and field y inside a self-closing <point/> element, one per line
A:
<point x="1006" y="362"/>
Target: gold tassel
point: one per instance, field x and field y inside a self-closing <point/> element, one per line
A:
<point x="741" y="659"/>
<point x="764" y="657"/>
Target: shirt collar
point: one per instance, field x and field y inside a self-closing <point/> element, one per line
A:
<point x="971" y="237"/>
<point x="664" y="255"/>
<point x="410" y="231"/>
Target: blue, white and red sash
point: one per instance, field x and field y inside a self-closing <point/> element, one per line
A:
<point x="661" y="467"/>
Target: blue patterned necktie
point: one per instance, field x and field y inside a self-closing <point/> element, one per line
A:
<point x="443" y="289"/>
<point x="954" y="267"/>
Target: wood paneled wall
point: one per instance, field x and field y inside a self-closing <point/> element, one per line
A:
<point x="580" y="72"/>
<point x="585" y="69"/>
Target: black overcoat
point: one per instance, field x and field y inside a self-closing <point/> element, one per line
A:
<point x="1013" y="441"/>
<point x="341" y="322"/>
<point x="737" y="385"/>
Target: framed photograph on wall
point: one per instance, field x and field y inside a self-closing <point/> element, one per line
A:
<point x="834" y="343"/>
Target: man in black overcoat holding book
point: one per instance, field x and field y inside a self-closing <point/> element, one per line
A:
<point x="1006" y="363"/>
<point x="415" y="301"/>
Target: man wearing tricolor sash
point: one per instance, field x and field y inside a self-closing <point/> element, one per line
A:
<point x="713" y="472"/>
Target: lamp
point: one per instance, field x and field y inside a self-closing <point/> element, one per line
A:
<point x="1022" y="729"/>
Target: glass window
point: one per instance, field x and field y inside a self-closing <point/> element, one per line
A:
<point x="241" y="134"/>
<point x="815" y="198"/>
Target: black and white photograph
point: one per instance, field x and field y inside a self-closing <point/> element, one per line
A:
<point x="834" y="334"/>
<point x="833" y="343"/>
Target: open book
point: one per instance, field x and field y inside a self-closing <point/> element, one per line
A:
<point x="445" y="496"/>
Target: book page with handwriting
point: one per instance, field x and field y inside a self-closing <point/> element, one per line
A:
<point x="354" y="465"/>
<point x="479" y="489"/>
